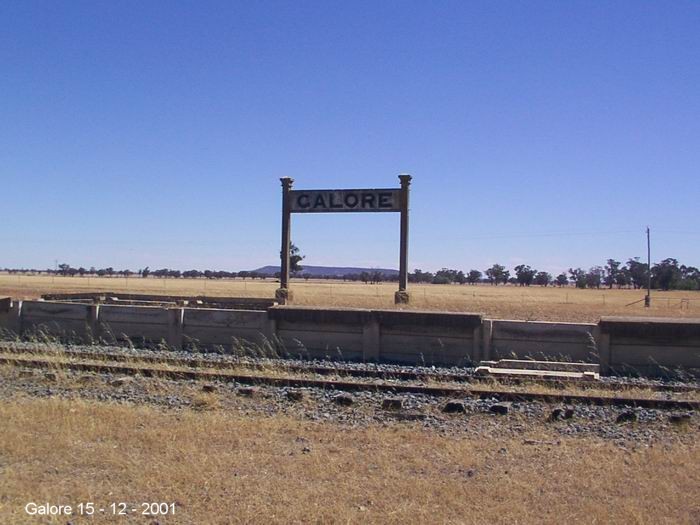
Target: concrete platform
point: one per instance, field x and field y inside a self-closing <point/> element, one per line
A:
<point x="522" y="368"/>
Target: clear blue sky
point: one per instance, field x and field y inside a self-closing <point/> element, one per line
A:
<point x="155" y="133"/>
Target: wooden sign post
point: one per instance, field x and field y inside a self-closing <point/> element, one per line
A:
<point x="339" y="201"/>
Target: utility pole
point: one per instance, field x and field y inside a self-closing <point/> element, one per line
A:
<point x="647" y="299"/>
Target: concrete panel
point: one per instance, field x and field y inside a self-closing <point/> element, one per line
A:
<point x="139" y="324"/>
<point x="319" y="316"/>
<point x="5" y="305"/>
<point x="227" y="328"/>
<point x="235" y="319"/>
<point x="203" y="336"/>
<point x="653" y="346"/>
<point x="136" y="315"/>
<point x="420" y="322"/>
<point x="330" y="354"/>
<point x="433" y="349"/>
<point x="334" y="355"/>
<point x="333" y="343"/>
<point x="422" y="359"/>
<point x="651" y="327"/>
<point x="543" y="331"/>
<point x="320" y="344"/>
<point x="54" y="311"/>
<point x="64" y="321"/>
<point x="551" y="366"/>
<point x="379" y="334"/>
<point x="543" y="340"/>
<point x="335" y="328"/>
<point x="669" y="356"/>
<point x="371" y="349"/>
<point x="9" y="320"/>
<point x="657" y="341"/>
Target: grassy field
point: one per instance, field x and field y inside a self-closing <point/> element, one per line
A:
<point x="222" y="467"/>
<point x="502" y="302"/>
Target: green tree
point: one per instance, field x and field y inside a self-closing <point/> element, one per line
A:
<point x="497" y="274"/>
<point x="524" y="275"/>
<point x="419" y="276"/>
<point x="578" y="277"/>
<point x="666" y="274"/>
<point x="473" y="276"/>
<point x="543" y="278"/>
<point x="690" y="278"/>
<point x="638" y="272"/>
<point x="623" y="277"/>
<point x="295" y="258"/>
<point x="447" y="276"/>
<point x="562" y="279"/>
<point x="594" y="277"/>
<point x="612" y="268"/>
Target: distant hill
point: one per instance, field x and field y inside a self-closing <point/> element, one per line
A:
<point x="335" y="271"/>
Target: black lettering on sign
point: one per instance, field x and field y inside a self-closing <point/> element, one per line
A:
<point x="303" y="201"/>
<point x="368" y="200"/>
<point x="384" y="199"/>
<point x="351" y="200"/>
<point x="332" y="202"/>
<point x="324" y="201"/>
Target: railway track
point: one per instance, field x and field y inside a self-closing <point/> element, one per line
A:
<point x="341" y="369"/>
<point x="177" y="371"/>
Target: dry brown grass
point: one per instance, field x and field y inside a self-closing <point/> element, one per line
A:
<point x="224" y="468"/>
<point x="503" y="302"/>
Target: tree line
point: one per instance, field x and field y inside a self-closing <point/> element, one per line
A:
<point x="69" y="271"/>
<point x="668" y="274"/>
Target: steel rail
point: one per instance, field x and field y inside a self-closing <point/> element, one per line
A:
<point x="348" y="386"/>
<point x="341" y="369"/>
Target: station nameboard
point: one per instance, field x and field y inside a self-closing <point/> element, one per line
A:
<point x="328" y="201"/>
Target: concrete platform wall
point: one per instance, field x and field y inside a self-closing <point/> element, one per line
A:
<point x="9" y="316"/>
<point x="138" y="324"/>
<point x="429" y="338"/>
<point x="411" y="337"/>
<point x="64" y="321"/>
<point x="651" y="347"/>
<point x="319" y="333"/>
<point x="210" y="328"/>
<point x="543" y="340"/>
